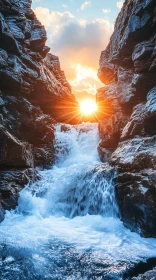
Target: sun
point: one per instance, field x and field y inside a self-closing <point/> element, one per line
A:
<point x="88" y="107"/>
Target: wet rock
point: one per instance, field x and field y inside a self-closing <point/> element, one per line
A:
<point x="108" y="71"/>
<point x="142" y="121"/>
<point x="127" y="117"/>
<point x="34" y="94"/>
<point x="104" y="153"/>
<point x="137" y="153"/>
<point x="65" y="128"/>
<point x="44" y="155"/>
<point x="8" y="41"/>
<point x="13" y="152"/>
<point x="26" y="68"/>
<point x="136" y="195"/>
<point x="149" y="275"/>
<point x="2" y="213"/>
<point x="12" y="182"/>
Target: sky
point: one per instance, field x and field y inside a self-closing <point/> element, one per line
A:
<point x="77" y="32"/>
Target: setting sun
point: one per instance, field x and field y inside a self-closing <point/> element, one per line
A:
<point x="88" y="107"/>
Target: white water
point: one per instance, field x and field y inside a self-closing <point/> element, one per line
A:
<point x="73" y="204"/>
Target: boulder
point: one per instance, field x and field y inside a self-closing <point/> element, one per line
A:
<point x="149" y="275"/>
<point x="136" y="154"/>
<point x="136" y="196"/>
<point x="12" y="181"/>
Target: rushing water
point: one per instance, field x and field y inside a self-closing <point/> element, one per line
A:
<point x="66" y="226"/>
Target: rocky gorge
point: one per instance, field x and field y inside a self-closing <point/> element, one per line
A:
<point x="34" y="95"/>
<point x="75" y="209"/>
<point x="127" y="105"/>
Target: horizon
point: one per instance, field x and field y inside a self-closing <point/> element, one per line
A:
<point x="93" y="23"/>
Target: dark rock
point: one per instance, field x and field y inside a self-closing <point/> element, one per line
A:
<point x="13" y="152"/>
<point x="127" y="112"/>
<point x="108" y="71"/>
<point x="104" y="153"/>
<point x="34" y="94"/>
<point x="26" y="68"/>
<point x="149" y="275"/>
<point x="2" y="213"/>
<point x="136" y="195"/>
<point x="142" y="121"/>
<point x="12" y="182"/>
<point x="44" y="155"/>
<point x="65" y="128"/>
<point x="136" y="154"/>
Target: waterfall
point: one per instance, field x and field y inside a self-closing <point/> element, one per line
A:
<point x="66" y="226"/>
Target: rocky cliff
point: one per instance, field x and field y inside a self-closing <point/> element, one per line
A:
<point x="34" y="94"/>
<point x="127" y="105"/>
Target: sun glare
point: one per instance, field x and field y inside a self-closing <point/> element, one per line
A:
<point x="88" y="107"/>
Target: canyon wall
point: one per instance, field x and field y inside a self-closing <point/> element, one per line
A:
<point x="34" y="94"/>
<point x="127" y="106"/>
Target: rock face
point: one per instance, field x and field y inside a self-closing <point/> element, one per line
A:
<point x="127" y="115"/>
<point x="34" y="94"/>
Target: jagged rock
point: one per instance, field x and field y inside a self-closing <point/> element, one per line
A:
<point x="136" y="154"/>
<point x="34" y="94"/>
<point x="136" y="195"/>
<point x="136" y="184"/>
<point x="149" y="275"/>
<point x="26" y="121"/>
<point x="13" y="152"/>
<point x="26" y="68"/>
<point x="128" y="110"/>
<point x="65" y="128"/>
<point x="44" y="155"/>
<point x="104" y="153"/>
<point x="11" y="183"/>
<point x="142" y="121"/>
<point x="108" y="71"/>
<point x="7" y="42"/>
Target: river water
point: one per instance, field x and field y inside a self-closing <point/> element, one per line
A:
<point x="66" y="226"/>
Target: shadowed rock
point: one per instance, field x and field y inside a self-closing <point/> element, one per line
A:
<point x="11" y="183"/>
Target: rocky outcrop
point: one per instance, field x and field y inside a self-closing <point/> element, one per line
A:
<point x="127" y="112"/>
<point x="149" y="275"/>
<point x="34" y="94"/>
<point x="11" y="183"/>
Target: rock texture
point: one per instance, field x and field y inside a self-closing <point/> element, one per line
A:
<point x="127" y="115"/>
<point x="34" y="94"/>
<point x="150" y="275"/>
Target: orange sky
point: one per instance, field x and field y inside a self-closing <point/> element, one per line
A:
<point x="78" y="43"/>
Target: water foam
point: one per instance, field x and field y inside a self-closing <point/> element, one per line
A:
<point x="73" y="204"/>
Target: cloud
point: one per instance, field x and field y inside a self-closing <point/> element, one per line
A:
<point x="54" y="20"/>
<point x="78" y="43"/>
<point x="106" y="11"/>
<point x="64" y="6"/>
<point x="119" y="4"/>
<point x="85" y="5"/>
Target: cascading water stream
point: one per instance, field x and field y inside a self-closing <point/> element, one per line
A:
<point x="66" y="226"/>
